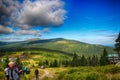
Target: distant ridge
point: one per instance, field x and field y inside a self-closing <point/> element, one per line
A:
<point x="57" y="44"/>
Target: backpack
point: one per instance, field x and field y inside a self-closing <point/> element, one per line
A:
<point x="28" y="71"/>
<point x="25" y="69"/>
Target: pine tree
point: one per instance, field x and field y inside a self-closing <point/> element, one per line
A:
<point x="75" y="60"/>
<point x="96" y="60"/>
<point x="104" y="59"/>
<point x="89" y="62"/>
<point x="55" y="63"/>
<point x="63" y="62"/>
<point x="46" y="62"/>
<point x="66" y="63"/>
<point x="83" y="61"/>
<point x="51" y="64"/>
<point x="117" y="45"/>
<point x="39" y="63"/>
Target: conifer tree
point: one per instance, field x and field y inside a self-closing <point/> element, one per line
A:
<point x="46" y="62"/>
<point x="51" y="64"/>
<point x="104" y="59"/>
<point x="89" y="62"/>
<point x="94" y="62"/>
<point x="55" y="63"/>
<point x="75" y="60"/>
<point x="117" y="45"/>
<point x="66" y="63"/>
<point x="39" y="63"/>
<point x="97" y="60"/>
<point x="83" y="61"/>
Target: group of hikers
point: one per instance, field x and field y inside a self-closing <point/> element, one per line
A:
<point x="13" y="71"/>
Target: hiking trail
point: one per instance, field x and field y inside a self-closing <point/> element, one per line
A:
<point x="46" y="74"/>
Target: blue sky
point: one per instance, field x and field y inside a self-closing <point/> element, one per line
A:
<point x="90" y="21"/>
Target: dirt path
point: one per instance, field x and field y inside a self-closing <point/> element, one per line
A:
<point x="46" y="74"/>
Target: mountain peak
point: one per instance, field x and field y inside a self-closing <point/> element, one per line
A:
<point x="33" y="39"/>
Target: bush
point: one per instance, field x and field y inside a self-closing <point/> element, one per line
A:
<point x="113" y="70"/>
<point x="2" y="76"/>
<point x="116" y="77"/>
<point x="69" y="77"/>
<point x="92" y="76"/>
<point x="61" y="76"/>
<point x="71" y="71"/>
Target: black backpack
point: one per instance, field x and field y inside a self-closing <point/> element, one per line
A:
<point x="28" y="71"/>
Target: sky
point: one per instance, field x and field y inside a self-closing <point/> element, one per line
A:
<point x="89" y="21"/>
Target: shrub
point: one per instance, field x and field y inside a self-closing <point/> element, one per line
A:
<point x="72" y="71"/>
<point x="116" y="77"/>
<point x="92" y="76"/>
<point x="69" y="77"/>
<point x="2" y="76"/>
<point x="61" y="76"/>
<point x="113" y="70"/>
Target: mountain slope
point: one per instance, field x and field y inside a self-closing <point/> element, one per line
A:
<point x="59" y="44"/>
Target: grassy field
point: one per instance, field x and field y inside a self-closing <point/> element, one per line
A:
<point x="84" y="73"/>
<point x="109" y="72"/>
<point x="90" y="73"/>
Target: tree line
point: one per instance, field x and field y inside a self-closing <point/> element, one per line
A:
<point x="78" y="61"/>
<point x="88" y="61"/>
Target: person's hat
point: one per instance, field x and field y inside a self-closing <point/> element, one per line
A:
<point x="11" y="63"/>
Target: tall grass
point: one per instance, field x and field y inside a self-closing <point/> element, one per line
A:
<point x="91" y="73"/>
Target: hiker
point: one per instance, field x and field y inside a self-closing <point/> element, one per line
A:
<point x="18" y="69"/>
<point x="6" y="72"/>
<point x="26" y="70"/>
<point x="12" y="72"/>
<point x="42" y="67"/>
<point x="36" y="74"/>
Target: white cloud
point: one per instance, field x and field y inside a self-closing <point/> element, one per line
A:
<point x="46" y="30"/>
<point x="27" y="15"/>
<point x="5" y="30"/>
<point x="43" y="13"/>
<point x="28" y="32"/>
<point x="98" y="39"/>
<point x="9" y="39"/>
<point x="8" y="10"/>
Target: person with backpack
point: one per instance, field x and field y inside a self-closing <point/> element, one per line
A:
<point x="6" y="72"/>
<point x="36" y="74"/>
<point x="12" y="73"/>
<point x="26" y="70"/>
<point x="18" y="69"/>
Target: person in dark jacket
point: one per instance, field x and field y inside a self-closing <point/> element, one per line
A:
<point x="36" y="74"/>
<point x="12" y="72"/>
<point x="6" y="72"/>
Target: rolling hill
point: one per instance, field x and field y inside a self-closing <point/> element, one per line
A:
<point x="57" y="44"/>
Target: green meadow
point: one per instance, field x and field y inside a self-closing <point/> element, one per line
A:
<point x="63" y="59"/>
